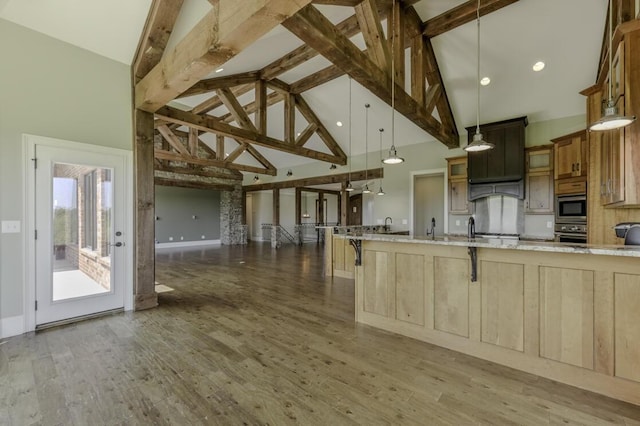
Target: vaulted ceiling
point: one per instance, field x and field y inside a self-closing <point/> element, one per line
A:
<point x="565" y="35"/>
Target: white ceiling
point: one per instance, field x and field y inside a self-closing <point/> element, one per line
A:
<point x="566" y="34"/>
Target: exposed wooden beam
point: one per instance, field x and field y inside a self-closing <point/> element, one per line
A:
<point x="460" y="15"/>
<point x="162" y="181"/>
<point x="211" y="84"/>
<point x="213" y="125"/>
<point x="432" y="97"/>
<point x="276" y="206"/>
<point x="353" y="3"/>
<point x="220" y="147"/>
<point x="242" y="147"/>
<point x="418" y="70"/>
<point x="317" y="191"/>
<point x="172" y="156"/>
<point x="289" y="118"/>
<point x="317" y="31"/>
<point x="306" y="134"/>
<point x="279" y="85"/>
<point x="201" y="144"/>
<point x="199" y="171"/>
<point x="260" y="107"/>
<point x="316" y="79"/>
<point x="369" y="22"/>
<point x="250" y="108"/>
<point x="260" y="158"/>
<point x="321" y="130"/>
<point x="193" y="141"/>
<point x="235" y="109"/>
<point x="220" y="35"/>
<point x="144" y="235"/>
<point x="434" y="77"/>
<point x="395" y="29"/>
<point x="173" y="140"/>
<point x="215" y="102"/>
<point x="155" y="35"/>
<point x="318" y="180"/>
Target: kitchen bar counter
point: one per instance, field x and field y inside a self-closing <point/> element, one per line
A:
<point x="568" y="312"/>
<point x="546" y="246"/>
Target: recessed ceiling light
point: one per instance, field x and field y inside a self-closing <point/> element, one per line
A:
<point x="485" y="81"/>
<point x="226" y="154"/>
<point x="538" y="66"/>
<point x="339" y="123"/>
<point x="219" y="70"/>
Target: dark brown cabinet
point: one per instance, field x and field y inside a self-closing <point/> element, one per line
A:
<point x="506" y="161"/>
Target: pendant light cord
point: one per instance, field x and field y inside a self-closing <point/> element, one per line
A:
<point x="478" y="72"/>
<point x="350" y="127"/>
<point x="393" y="76"/>
<point x="366" y="143"/>
<point x="610" y="52"/>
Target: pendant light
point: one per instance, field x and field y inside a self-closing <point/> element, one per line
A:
<point x="611" y="119"/>
<point x="349" y="187"/>
<point x="381" y="191"/>
<point x="365" y="188"/>
<point x="478" y="144"/>
<point x="393" y="154"/>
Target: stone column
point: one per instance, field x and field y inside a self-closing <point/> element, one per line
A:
<point x="231" y="231"/>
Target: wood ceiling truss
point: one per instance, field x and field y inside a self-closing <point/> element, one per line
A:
<point x="226" y="90"/>
<point x="319" y="33"/>
<point x="197" y="154"/>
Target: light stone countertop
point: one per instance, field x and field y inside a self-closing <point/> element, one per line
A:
<point x="495" y="243"/>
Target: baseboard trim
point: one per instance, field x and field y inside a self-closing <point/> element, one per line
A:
<point x="188" y="244"/>
<point x="11" y="326"/>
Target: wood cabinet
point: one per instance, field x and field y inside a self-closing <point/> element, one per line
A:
<point x="571" y="155"/>
<point x="458" y="187"/>
<point x="569" y="317"/>
<point x="505" y="162"/>
<point x="539" y="180"/>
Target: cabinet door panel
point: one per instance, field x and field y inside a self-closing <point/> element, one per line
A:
<point x="458" y="202"/>
<point x="627" y="329"/>
<point x="410" y="288"/>
<point x="540" y="193"/>
<point x="566" y="316"/>
<point x="451" y="288"/>
<point x="503" y="304"/>
<point x="376" y="282"/>
<point x="339" y="246"/>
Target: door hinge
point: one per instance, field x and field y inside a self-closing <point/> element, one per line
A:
<point x="35" y="234"/>
<point x="36" y="305"/>
<point x="35" y="163"/>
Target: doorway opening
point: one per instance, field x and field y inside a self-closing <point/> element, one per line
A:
<point x="429" y="202"/>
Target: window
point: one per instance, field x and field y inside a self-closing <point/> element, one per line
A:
<point x="89" y="217"/>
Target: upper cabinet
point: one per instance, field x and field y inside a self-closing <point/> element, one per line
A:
<point x="458" y="197"/>
<point x="539" y="181"/>
<point x="616" y="179"/>
<point x="505" y="162"/>
<point x="571" y="155"/>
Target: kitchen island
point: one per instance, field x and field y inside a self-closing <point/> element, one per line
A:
<point x="570" y="313"/>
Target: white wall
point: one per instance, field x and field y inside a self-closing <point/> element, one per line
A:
<point x="54" y="89"/>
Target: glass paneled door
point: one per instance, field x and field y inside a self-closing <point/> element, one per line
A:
<point x="80" y="242"/>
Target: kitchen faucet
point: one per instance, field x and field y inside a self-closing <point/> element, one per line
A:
<point x="471" y="229"/>
<point x="432" y="231"/>
<point x="386" y="227"/>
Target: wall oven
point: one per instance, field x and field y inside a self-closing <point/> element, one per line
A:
<point x="571" y="219"/>
<point x="571" y="209"/>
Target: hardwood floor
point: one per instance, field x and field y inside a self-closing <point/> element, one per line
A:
<point x="251" y="335"/>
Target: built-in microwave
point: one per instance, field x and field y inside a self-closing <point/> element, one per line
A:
<point x="571" y="208"/>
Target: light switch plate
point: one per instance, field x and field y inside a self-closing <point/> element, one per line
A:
<point x="10" y="226"/>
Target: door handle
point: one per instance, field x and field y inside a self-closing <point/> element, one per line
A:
<point x="118" y="244"/>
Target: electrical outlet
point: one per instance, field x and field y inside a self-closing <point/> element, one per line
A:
<point x="170" y="238"/>
<point x="202" y="236"/>
<point x="457" y="222"/>
<point x="405" y="221"/>
<point x="549" y="224"/>
<point x="181" y="238"/>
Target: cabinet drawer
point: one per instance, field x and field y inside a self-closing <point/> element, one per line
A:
<point x="571" y="187"/>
